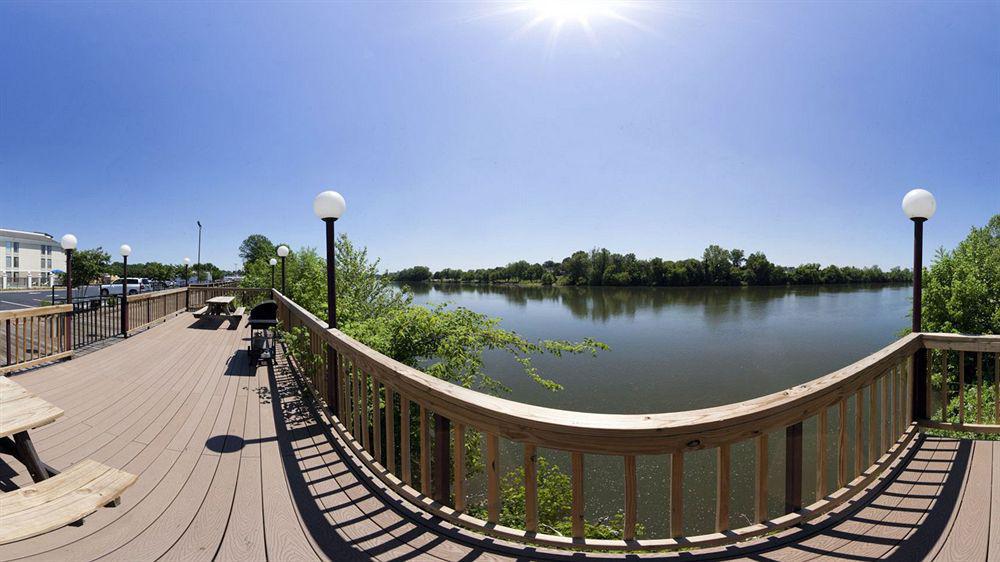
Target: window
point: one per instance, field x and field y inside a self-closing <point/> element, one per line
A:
<point x="8" y="262"/>
<point x="10" y="246"/>
<point x="17" y="262"/>
<point x="49" y="264"/>
<point x="17" y="247"/>
<point x="43" y="263"/>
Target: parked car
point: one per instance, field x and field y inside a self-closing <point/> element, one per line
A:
<point x="135" y="285"/>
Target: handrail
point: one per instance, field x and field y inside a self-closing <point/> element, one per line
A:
<point x="34" y="336"/>
<point x="960" y="360"/>
<point x="867" y="404"/>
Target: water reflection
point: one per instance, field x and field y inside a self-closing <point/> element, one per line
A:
<point x="601" y="304"/>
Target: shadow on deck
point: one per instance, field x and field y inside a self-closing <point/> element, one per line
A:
<point x="235" y="464"/>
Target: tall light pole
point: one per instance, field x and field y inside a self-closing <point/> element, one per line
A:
<point x="199" y="251"/>
<point x="329" y="206"/>
<point x="125" y="250"/>
<point x="919" y="205"/>
<point x="68" y="243"/>
<point x="187" y="294"/>
<point x="273" y="263"/>
<point x="283" y="253"/>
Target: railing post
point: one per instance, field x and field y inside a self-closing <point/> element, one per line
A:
<point x="7" y="332"/>
<point x="793" y="468"/>
<point x="442" y="462"/>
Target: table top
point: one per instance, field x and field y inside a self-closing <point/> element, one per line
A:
<point x="22" y="410"/>
<point x="221" y="300"/>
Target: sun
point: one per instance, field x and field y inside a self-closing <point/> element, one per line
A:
<point x="560" y="11"/>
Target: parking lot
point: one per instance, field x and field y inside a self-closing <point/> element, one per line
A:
<point x="13" y="300"/>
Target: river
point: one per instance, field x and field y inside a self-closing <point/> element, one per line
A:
<point x="675" y="349"/>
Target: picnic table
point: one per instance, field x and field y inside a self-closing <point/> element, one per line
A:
<point x="219" y="306"/>
<point x="57" y="498"/>
<point x="23" y="412"/>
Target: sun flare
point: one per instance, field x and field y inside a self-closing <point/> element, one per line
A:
<point x="562" y="10"/>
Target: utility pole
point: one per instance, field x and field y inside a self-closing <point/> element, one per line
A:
<point x="198" y="272"/>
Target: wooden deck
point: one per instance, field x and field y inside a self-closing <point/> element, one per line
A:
<point x="233" y="465"/>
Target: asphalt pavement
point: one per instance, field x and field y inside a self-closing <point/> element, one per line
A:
<point x="14" y="300"/>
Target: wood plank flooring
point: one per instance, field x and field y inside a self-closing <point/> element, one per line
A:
<point x="233" y="465"/>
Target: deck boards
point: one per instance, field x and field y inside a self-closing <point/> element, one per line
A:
<point x="233" y="465"/>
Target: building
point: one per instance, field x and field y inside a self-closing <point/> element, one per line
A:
<point x="27" y="259"/>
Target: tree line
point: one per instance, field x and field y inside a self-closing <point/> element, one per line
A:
<point x="90" y="266"/>
<point x="717" y="266"/>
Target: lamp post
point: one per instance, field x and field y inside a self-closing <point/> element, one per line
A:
<point x="329" y="206"/>
<point x="199" y="251"/>
<point x="68" y="243"/>
<point x="125" y="251"/>
<point x="273" y="263"/>
<point x="919" y="205"/>
<point x="187" y="262"/>
<point x="282" y="253"/>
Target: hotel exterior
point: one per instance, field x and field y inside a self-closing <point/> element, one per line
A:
<point x="27" y="259"/>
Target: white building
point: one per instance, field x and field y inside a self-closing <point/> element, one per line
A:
<point x="27" y="259"/>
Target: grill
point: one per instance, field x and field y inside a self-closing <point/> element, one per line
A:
<point x="262" y="320"/>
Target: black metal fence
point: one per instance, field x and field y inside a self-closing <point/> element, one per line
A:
<point x="96" y="319"/>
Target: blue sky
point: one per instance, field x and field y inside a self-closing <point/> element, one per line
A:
<point x="462" y="137"/>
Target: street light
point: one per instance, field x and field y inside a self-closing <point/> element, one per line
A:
<point x="187" y="262"/>
<point x="199" y="251"/>
<point x="68" y="243"/>
<point x="125" y="250"/>
<point x="919" y="205"/>
<point x="329" y="206"/>
<point x="273" y="263"/>
<point x="282" y="253"/>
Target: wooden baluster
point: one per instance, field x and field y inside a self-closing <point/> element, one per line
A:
<point x="896" y="399"/>
<point x="363" y="377"/>
<point x="883" y="412"/>
<point x="944" y="386"/>
<point x="530" y="489"/>
<point x="404" y="440"/>
<point x="821" y="429"/>
<point x="356" y="389"/>
<point x="493" y="478"/>
<point x="631" y="498"/>
<point x="979" y="387"/>
<point x="842" y="443"/>
<point x="390" y="429"/>
<point x="459" y="467"/>
<point x="425" y="453"/>
<point x="996" y="387"/>
<point x="677" y="494"/>
<point x="442" y="462"/>
<point x="961" y="387"/>
<point x="722" y="480"/>
<point x="344" y="407"/>
<point x="377" y="418"/>
<point x="760" y="479"/>
<point x="858" y="431"/>
<point x="873" y="453"/>
<point x="793" y="467"/>
<point x="908" y="384"/>
<point x="577" y="510"/>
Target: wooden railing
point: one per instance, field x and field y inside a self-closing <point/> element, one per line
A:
<point x="410" y="429"/>
<point x="145" y="309"/>
<point x="245" y="296"/>
<point x="959" y="367"/>
<point x="34" y="336"/>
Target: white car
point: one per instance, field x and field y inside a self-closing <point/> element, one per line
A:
<point x="135" y="285"/>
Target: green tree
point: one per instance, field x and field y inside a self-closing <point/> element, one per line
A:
<point x="718" y="265"/>
<point x="256" y="247"/>
<point x="759" y="270"/>
<point x="89" y="265"/>
<point x="962" y="288"/>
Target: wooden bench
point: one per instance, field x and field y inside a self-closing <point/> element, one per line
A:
<point x="60" y="500"/>
<point x="240" y="311"/>
<point x="200" y="312"/>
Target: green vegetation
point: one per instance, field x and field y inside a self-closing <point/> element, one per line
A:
<point x="961" y="294"/>
<point x="89" y="266"/>
<point x="445" y="342"/>
<point x="718" y="266"/>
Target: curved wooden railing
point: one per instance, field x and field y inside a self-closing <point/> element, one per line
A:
<point x="954" y="363"/>
<point x="34" y="336"/>
<point x="145" y="309"/>
<point x="862" y="416"/>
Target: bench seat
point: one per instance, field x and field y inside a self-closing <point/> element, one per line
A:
<point x="240" y="311"/>
<point x="200" y="312"/>
<point x="60" y="500"/>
